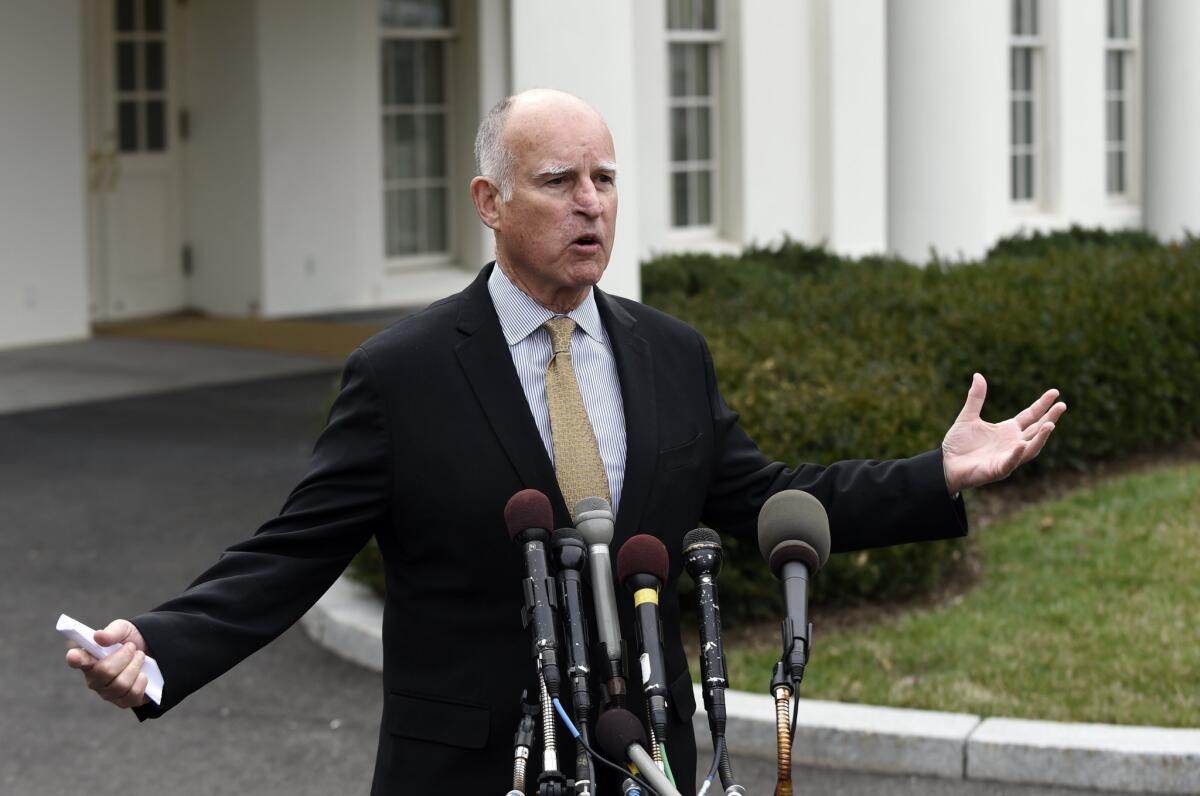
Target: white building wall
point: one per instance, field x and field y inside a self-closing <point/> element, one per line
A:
<point x="43" y="226"/>
<point x="947" y="125"/>
<point x="1172" y="117"/>
<point x="222" y="160"/>
<point x="587" y="48"/>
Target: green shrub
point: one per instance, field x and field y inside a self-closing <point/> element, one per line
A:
<point x="829" y="358"/>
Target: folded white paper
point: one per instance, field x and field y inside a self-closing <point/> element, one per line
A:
<point x="83" y="635"/>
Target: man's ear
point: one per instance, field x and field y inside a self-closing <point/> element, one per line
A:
<point x="486" y="196"/>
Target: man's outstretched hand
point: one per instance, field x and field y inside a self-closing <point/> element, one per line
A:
<point x="117" y="678"/>
<point x="975" y="453"/>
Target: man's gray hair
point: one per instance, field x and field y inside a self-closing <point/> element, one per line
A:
<point x="492" y="158"/>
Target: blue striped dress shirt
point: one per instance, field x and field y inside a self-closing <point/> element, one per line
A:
<point x="521" y="319"/>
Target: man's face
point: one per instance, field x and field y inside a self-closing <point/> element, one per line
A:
<point x="555" y="235"/>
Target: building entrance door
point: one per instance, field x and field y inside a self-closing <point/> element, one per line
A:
<point x="134" y="177"/>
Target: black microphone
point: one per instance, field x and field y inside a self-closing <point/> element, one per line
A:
<point x="702" y="557"/>
<point x="594" y="519"/>
<point x="621" y="737"/>
<point x="528" y="516"/>
<point x="642" y="566"/>
<point x="793" y="535"/>
<point x="570" y="555"/>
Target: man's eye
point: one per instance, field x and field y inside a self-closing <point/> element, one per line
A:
<point x="556" y="181"/>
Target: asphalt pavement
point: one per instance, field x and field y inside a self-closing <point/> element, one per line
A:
<point x="112" y="506"/>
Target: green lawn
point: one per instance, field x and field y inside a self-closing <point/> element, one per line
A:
<point x="1088" y="609"/>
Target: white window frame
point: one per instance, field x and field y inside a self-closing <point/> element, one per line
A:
<point x="713" y="37"/>
<point x="1036" y="98"/>
<point x="449" y="35"/>
<point x="1127" y="49"/>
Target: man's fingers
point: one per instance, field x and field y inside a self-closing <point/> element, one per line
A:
<point x="1035" y="445"/>
<point x="136" y="695"/>
<point x="117" y="632"/>
<point x="1051" y="416"/>
<point x="102" y="674"/>
<point x="975" y="396"/>
<point x="1031" y="415"/>
<point x="80" y="659"/>
<point x="121" y="685"/>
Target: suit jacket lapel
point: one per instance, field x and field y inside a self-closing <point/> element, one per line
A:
<point x="635" y="367"/>
<point x="488" y="366"/>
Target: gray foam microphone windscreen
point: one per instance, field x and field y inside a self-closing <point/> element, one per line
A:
<point x="793" y="525"/>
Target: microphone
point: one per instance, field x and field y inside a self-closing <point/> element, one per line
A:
<point x="570" y="554"/>
<point x="793" y="535"/>
<point x="594" y="520"/>
<point x="621" y="736"/>
<point x="528" y="516"/>
<point x="702" y="558"/>
<point x="642" y="566"/>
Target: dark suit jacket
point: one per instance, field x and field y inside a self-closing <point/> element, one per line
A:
<point x="430" y="436"/>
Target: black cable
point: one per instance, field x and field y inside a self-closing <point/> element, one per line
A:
<point x="718" y="753"/>
<point x="795" y="713"/>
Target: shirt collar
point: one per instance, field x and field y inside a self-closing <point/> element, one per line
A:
<point x="520" y="316"/>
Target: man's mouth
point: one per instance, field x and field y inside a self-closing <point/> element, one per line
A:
<point x="586" y="243"/>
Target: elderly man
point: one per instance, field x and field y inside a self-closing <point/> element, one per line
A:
<point x="446" y="414"/>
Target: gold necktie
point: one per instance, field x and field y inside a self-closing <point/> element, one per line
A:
<point x="577" y="460"/>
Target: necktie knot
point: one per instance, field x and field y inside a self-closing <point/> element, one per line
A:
<point x="561" y="328"/>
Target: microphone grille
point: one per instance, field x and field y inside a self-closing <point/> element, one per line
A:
<point x="642" y="555"/>
<point x="591" y="504"/>
<point x="790" y="517"/>
<point x="617" y="730"/>
<point x="704" y="536"/>
<point x="527" y="509"/>
<point x="568" y="533"/>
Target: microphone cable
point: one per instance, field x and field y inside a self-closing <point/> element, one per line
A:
<point x="594" y="755"/>
<point x="718" y="753"/>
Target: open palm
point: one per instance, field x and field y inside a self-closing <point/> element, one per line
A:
<point x="975" y="452"/>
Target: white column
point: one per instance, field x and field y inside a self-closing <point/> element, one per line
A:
<point x="1172" y="117"/>
<point x="858" y="131"/>
<point x="586" y="48"/>
<point x="947" y="125"/>
<point x="43" y="178"/>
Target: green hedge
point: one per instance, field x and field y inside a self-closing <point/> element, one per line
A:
<point x="829" y="358"/>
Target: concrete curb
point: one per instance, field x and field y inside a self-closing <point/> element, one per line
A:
<point x="348" y="621"/>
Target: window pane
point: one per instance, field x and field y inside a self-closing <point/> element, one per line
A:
<point x="127" y="126"/>
<point x="679" y="199"/>
<point x="400" y="222"/>
<point x="1115" y="121"/>
<point x="677" y="54"/>
<point x="127" y="66"/>
<point x="156" y="125"/>
<point x="436" y="238"/>
<point x="415" y="13"/>
<point x="399" y="72"/>
<point x="703" y="182"/>
<point x="153" y="19"/>
<point x="701" y="145"/>
<point x="399" y="147"/>
<point x="431" y="151"/>
<point x="698" y="70"/>
<point x="125" y="16"/>
<point x="1027" y="165"/>
<point x="691" y="15"/>
<point x="1032" y="10"/>
<point x="430" y="85"/>
<point x="1120" y="176"/>
<point x="679" y="134"/>
<point x="1022" y="69"/>
<point x="155" y="67"/>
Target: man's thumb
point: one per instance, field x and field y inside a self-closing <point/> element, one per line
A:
<point x="117" y="632"/>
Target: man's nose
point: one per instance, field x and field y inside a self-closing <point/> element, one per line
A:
<point x="587" y="199"/>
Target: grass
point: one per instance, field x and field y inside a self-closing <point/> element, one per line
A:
<point x="1086" y="610"/>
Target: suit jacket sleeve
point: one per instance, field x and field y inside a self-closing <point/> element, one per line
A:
<point x="869" y="503"/>
<point x="260" y="587"/>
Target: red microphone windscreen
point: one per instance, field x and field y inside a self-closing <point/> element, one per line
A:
<point x="527" y="509"/>
<point x="642" y="555"/>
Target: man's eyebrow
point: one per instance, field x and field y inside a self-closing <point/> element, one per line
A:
<point x="559" y="169"/>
